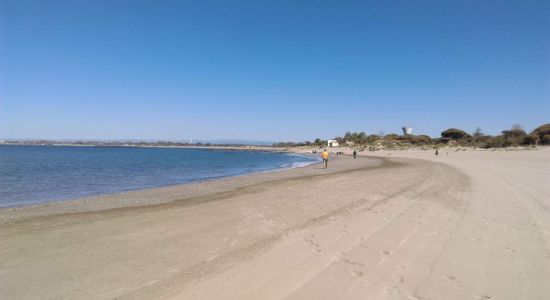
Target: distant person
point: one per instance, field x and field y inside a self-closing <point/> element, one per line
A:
<point x="354" y="154"/>
<point x="436" y="152"/>
<point x="324" y="155"/>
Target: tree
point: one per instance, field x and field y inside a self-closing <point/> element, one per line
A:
<point x="514" y="133"/>
<point x="455" y="134"/>
<point x="347" y="137"/>
<point x="361" y="138"/>
<point x="478" y="132"/>
<point x="541" y="132"/>
<point x="513" y="137"/>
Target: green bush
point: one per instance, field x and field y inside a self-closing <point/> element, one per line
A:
<point x="531" y="139"/>
<point x="422" y="140"/>
<point x="494" y="142"/>
<point x="481" y="141"/>
<point x="372" y="138"/>
<point x="405" y="138"/>
<point x="356" y="137"/>
<point x="513" y="137"/>
<point x="391" y="136"/>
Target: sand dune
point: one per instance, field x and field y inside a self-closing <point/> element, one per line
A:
<point x="401" y="225"/>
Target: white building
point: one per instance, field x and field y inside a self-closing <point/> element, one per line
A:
<point x="407" y="130"/>
<point x="332" y="143"/>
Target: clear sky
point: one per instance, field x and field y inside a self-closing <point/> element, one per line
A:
<point x="270" y="70"/>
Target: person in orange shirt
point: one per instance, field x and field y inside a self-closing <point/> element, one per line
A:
<point x="324" y="155"/>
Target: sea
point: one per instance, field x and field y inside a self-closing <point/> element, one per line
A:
<point x="40" y="174"/>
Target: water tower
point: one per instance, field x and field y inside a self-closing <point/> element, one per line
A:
<point x="407" y="130"/>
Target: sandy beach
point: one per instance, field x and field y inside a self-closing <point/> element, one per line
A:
<point x="388" y="225"/>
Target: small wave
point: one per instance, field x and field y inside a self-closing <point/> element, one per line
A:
<point x="302" y="155"/>
<point x="297" y="164"/>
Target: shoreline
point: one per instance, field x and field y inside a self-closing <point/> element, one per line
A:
<point x="10" y="214"/>
<point x="149" y="195"/>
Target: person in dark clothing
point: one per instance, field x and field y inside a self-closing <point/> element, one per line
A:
<point x="354" y="154"/>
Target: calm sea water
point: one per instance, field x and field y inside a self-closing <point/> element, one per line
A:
<point x="37" y="174"/>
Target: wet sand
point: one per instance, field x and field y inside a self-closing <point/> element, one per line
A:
<point x="394" y="225"/>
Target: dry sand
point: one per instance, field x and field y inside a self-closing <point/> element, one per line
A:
<point x="401" y="225"/>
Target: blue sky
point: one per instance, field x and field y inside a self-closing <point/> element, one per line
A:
<point x="270" y="70"/>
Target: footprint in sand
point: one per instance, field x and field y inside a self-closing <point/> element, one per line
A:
<point x="352" y="263"/>
<point x="451" y="278"/>
<point x="313" y="244"/>
<point x="359" y="240"/>
<point x="358" y="273"/>
<point x="151" y="282"/>
<point x="211" y="258"/>
<point x="510" y="249"/>
<point x="481" y="297"/>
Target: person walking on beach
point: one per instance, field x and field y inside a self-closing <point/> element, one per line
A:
<point x="324" y="155"/>
<point x="354" y="154"/>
